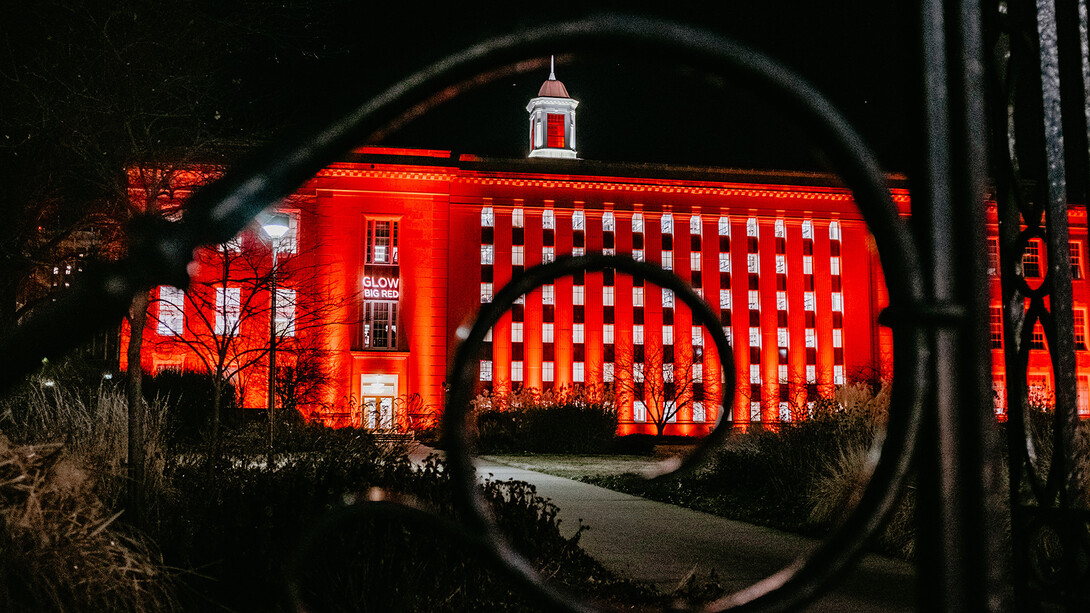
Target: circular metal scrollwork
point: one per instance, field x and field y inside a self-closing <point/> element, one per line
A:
<point x="805" y="578"/>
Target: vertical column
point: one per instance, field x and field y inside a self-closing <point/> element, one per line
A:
<point x="725" y="315"/>
<point x="753" y="270"/>
<point x="609" y="350"/>
<point x="783" y="380"/>
<point x="696" y="333"/>
<point x="518" y="315"/>
<point x="837" y="304"/>
<point x="545" y="361"/>
<point x="575" y="365"/>
<point x="639" y="406"/>
<point x="670" y="389"/>
<point x="809" y="313"/>
<point x="488" y="254"/>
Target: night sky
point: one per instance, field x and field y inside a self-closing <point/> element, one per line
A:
<point x="633" y="106"/>
<point x="264" y="68"/>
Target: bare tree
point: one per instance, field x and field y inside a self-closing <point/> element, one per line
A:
<point x="223" y="320"/>
<point x="302" y="379"/>
<point x="658" y="376"/>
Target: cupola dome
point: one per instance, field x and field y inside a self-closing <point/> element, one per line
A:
<point x="552" y="119"/>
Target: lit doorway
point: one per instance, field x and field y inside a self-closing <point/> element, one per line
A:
<point x="378" y="395"/>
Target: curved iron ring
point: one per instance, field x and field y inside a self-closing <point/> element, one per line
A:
<point x="802" y="580"/>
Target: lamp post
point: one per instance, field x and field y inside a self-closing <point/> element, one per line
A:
<point x="275" y="227"/>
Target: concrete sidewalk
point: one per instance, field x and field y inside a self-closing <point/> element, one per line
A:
<point x="661" y="544"/>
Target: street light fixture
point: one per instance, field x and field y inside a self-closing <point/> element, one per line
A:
<point x="275" y="226"/>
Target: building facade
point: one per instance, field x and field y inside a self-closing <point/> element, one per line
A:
<point x="392" y="252"/>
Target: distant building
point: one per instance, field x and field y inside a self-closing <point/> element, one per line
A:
<point x="408" y="243"/>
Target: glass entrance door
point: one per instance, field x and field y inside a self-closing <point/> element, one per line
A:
<point x="377" y="401"/>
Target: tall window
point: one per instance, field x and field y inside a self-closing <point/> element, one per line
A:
<point x="228" y="309"/>
<point x="285" y="311"/>
<point x="1031" y="259"/>
<point x="289" y="243"/>
<point x="578" y="221"/>
<point x="380" y="325"/>
<point x="1037" y="340"/>
<point x="382" y="241"/>
<point x="171" y="311"/>
<point x="993" y="256"/>
<point x="578" y="232"/>
<point x="1075" y="249"/>
<point x="1080" y="329"/>
<point x="555" y="130"/>
<point x="609" y="226"/>
<point x="996" y="328"/>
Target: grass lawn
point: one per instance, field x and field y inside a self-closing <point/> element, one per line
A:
<point x="739" y="494"/>
<point x="578" y="467"/>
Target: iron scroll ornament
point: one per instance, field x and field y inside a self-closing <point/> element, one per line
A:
<point x="162" y="250"/>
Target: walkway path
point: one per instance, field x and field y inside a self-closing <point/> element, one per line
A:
<point x="661" y="544"/>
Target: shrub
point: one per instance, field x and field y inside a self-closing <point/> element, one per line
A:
<point x="190" y="395"/>
<point x="93" y="424"/>
<point x="579" y="419"/>
<point x="243" y="525"/>
<point x="61" y="550"/>
<point x="569" y="428"/>
<point x="644" y="444"/>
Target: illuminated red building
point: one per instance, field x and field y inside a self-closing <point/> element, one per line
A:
<point x="402" y="246"/>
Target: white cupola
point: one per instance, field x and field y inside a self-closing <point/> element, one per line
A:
<point x="552" y="120"/>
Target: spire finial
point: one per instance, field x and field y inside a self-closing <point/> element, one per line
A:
<point x="552" y="67"/>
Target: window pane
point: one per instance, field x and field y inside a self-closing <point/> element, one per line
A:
<point x="555" y="130"/>
<point x="171" y="311"/>
<point x="578" y="220"/>
<point x="285" y="312"/>
<point x="228" y="307"/>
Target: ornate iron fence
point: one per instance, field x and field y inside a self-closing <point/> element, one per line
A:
<point x="1050" y="522"/>
<point x="941" y="413"/>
